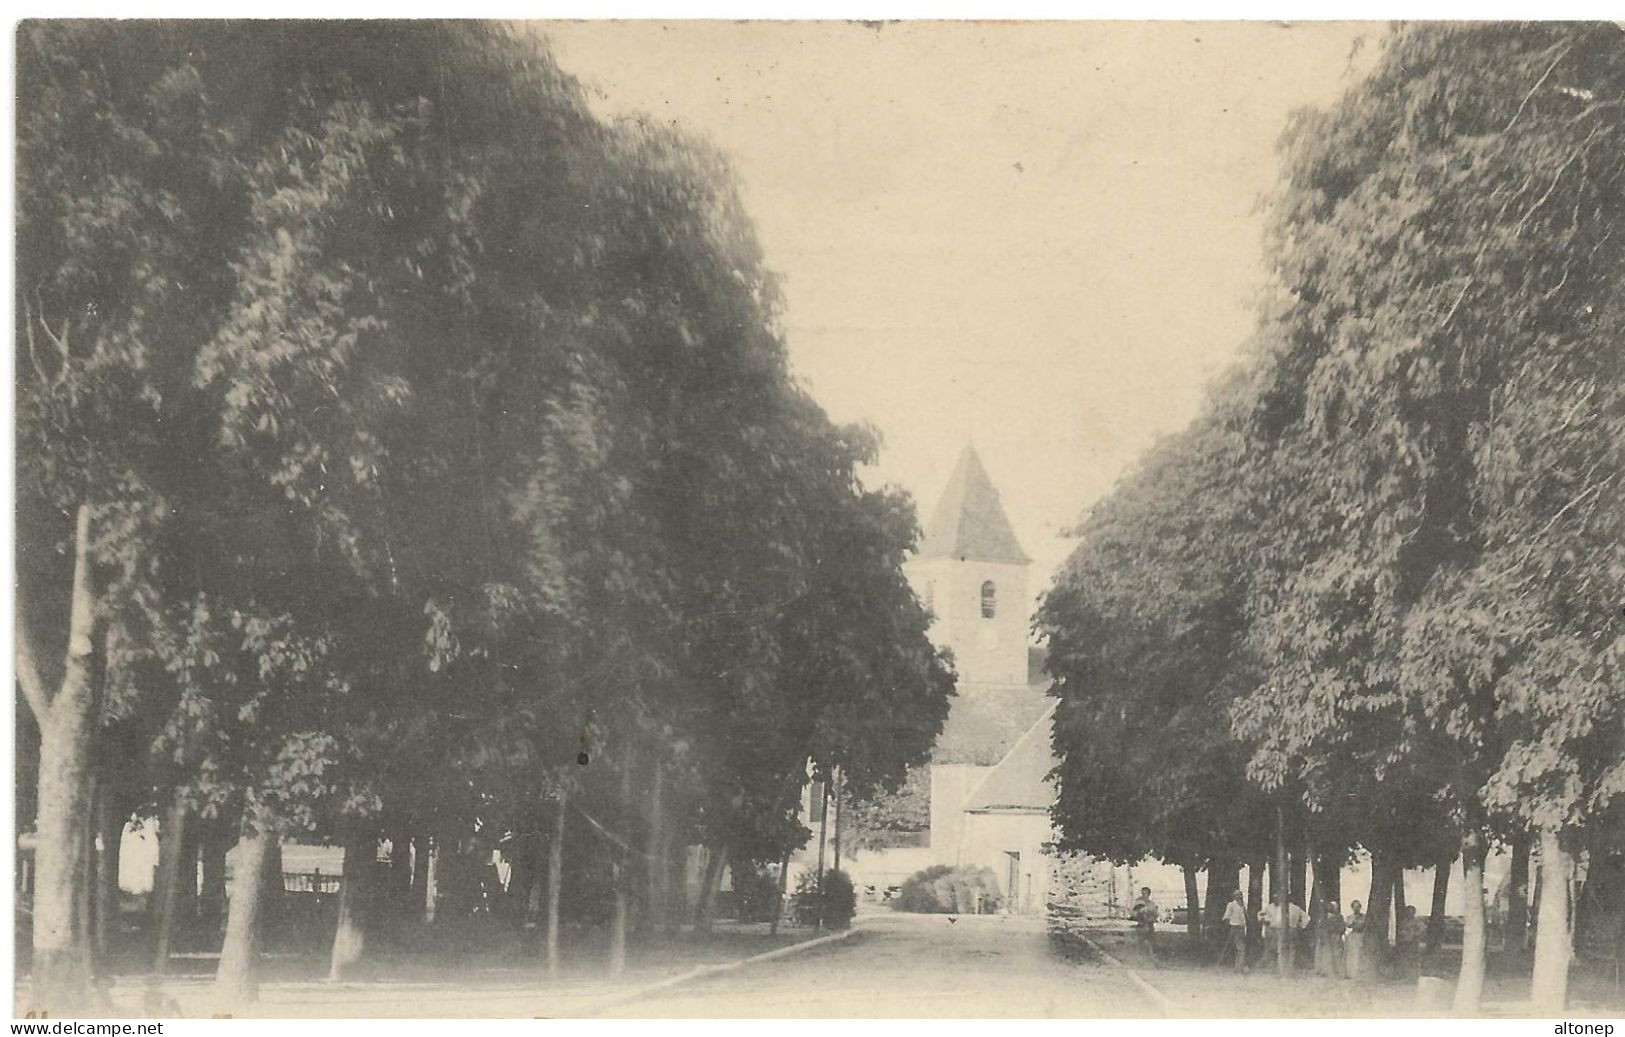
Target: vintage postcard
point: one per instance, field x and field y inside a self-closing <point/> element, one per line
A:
<point x="797" y="519"/>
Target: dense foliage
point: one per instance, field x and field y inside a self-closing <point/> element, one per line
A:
<point x="406" y="452"/>
<point x="1376" y="586"/>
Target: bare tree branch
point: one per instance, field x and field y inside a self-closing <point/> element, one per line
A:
<point x="1580" y="152"/>
<point x="33" y="351"/>
<point x="1561" y="54"/>
<point x="60" y="341"/>
<point x="1529" y="213"/>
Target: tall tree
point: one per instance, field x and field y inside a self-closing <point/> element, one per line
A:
<point x="1445" y="239"/>
<point x="126" y="206"/>
<point x="1144" y="626"/>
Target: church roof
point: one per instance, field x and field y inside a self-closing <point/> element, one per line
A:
<point x="969" y="521"/>
<point x="985" y="722"/>
<point x="1021" y="780"/>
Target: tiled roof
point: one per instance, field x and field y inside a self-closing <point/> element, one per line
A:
<point x="985" y="721"/>
<point x="1021" y="780"/>
<point x="969" y="521"/>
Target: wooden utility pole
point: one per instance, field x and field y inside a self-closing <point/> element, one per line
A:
<point x="837" y="782"/>
<point x="823" y="836"/>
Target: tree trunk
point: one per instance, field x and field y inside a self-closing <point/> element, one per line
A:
<point x="714" y="864"/>
<point x="1255" y="899"/>
<point x="212" y="897"/>
<point x="110" y="826"/>
<point x="778" y="904"/>
<point x="87" y="889"/>
<point x="655" y="849"/>
<point x="1374" y="946"/>
<point x="535" y="890"/>
<point x="350" y="937"/>
<point x="185" y="932"/>
<point x="400" y="866"/>
<point x="521" y="876"/>
<point x="237" y="979"/>
<point x="1441" y="889"/>
<point x="1596" y="898"/>
<point x="617" y="920"/>
<point x="620" y="879"/>
<point x="1284" y="935"/>
<point x="677" y="909"/>
<point x="1470" y="981"/>
<point x="555" y="883"/>
<point x="275" y="884"/>
<point x="418" y="904"/>
<point x="1399" y="898"/>
<point x="61" y="957"/>
<point x="1329" y="878"/>
<point x="1517" y="927"/>
<point x="1550" y="983"/>
<point x="171" y="854"/>
<point x="1317" y="895"/>
<point x="1193" y="903"/>
<point x="434" y="877"/>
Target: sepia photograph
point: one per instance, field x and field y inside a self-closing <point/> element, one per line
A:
<point x="704" y="519"/>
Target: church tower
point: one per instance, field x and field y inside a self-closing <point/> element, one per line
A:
<point x="972" y="574"/>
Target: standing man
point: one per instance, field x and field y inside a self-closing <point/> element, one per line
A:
<point x="1303" y="939"/>
<point x="1235" y="931"/>
<point x="1269" y="918"/>
<point x="1145" y="912"/>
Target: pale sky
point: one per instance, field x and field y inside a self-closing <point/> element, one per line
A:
<point x="1044" y="236"/>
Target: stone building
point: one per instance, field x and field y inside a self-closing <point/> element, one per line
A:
<point x="973" y="575"/>
<point x="990" y="787"/>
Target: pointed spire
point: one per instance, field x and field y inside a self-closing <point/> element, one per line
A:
<point x="969" y="521"/>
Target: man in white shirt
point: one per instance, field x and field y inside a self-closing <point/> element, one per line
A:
<point x="1235" y="931"/>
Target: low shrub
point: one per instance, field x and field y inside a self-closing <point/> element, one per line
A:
<point x="840" y="900"/>
<point x="756" y="891"/>
<point x="836" y="902"/>
<point x="943" y="889"/>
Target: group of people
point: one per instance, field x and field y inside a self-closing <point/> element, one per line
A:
<point x="1324" y="942"/>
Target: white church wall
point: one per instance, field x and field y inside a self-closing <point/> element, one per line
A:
<point x="990" y="651"/>
<point x="986" y="650"/>
<point x="991" y="838"/>
<point x="951" y="783"/>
